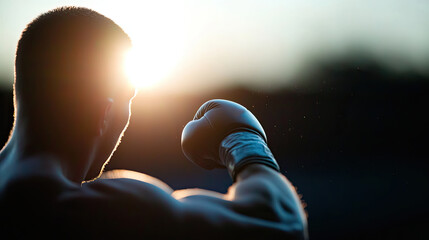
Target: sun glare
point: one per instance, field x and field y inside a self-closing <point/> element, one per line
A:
<point x="141" y="73"/>
<point x="148" y="68"/>
<point x="148" y="65"/>
<point x="157" y="43"/>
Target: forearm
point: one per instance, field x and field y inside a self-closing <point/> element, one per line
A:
<point x="262" y="178"/>
<point x="257" y="174"/>
<point x="260" y="203"/>
<point x="270" y="194"/>
<point x="256" y="169"/>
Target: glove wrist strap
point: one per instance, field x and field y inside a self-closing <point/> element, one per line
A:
<point x="240" y="149"/>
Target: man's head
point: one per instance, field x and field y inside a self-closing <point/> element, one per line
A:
<point x="71" y="92"/>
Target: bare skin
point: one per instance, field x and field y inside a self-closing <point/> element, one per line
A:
<point x="42" y="187"/>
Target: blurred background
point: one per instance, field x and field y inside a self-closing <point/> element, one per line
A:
<point x="341" y="88"/>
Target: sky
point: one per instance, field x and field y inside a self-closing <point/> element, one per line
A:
<point x="187" y="45"/>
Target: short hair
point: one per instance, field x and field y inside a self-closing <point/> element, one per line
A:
<point x="68" y="51"/>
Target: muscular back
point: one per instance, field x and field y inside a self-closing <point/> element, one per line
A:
<point x="36" y="200"/>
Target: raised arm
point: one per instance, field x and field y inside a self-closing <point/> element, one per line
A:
<point x="261" y="202"/>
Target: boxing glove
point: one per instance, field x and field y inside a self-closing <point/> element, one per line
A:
<point x="226" y="134"/>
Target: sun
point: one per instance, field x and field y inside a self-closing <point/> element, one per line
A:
<point x="146" y="68"/>
<point x="158" y="44"/>
<point x="139" y="72"/>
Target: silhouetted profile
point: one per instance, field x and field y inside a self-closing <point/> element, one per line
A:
<point x="72" y="104"/>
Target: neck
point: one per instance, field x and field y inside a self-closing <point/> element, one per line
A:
<point x="73" y="160"/>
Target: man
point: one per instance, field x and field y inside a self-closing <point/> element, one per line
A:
<point x="71" y="109"/>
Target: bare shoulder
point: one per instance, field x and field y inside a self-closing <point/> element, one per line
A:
<point x="122" y="187"/>
<point x="117" y="205"/>
<point x="129" y="196"/>
<point x="137" y="176"/>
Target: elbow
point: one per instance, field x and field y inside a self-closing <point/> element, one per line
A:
<point x="290" y="230"/>
<point x="291" y="217"/>
<point x="296" y="230"/>
<point x="294" y="220"/>
<point x="283" y="220"/>
<point x="290" y="224"/>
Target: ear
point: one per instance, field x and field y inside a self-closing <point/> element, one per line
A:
<point x="103" y="122"/>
